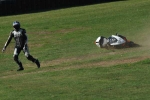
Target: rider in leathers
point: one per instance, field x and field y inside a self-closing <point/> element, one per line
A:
<point x="20" y="37"/>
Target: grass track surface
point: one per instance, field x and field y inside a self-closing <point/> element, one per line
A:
<point x="72" y="67"/>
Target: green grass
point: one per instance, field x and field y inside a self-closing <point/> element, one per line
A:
<point x="72" y="67"/>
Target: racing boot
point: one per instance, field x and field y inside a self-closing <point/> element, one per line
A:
<point x="37" y="63"/>
<point x="20" y="67"/>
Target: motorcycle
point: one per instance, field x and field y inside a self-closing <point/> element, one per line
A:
<point x="115" y="42"/>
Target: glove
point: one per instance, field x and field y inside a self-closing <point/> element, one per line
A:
<point x="3" y="49"/>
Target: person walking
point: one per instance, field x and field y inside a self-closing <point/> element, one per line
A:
<point x="21" y="39"/>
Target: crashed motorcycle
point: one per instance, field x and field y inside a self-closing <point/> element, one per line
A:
<point x="114" y="42"/>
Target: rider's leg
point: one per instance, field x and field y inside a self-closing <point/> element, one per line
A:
<point x="30" y="57"/>
<point x="16" y="59"/>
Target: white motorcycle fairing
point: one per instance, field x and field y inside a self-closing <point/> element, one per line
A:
<point x="115" y="40"/>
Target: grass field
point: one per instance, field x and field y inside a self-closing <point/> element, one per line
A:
<point x="72" y="66"/>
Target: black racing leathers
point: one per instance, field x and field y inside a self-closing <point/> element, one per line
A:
<point x="20" y="38"/>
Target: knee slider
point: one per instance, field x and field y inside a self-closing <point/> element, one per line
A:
<point x="27" y="54"/>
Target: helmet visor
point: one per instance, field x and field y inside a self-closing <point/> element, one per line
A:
<point x="16" y="26"/>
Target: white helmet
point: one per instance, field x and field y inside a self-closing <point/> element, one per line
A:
<point x="16" y="25"/>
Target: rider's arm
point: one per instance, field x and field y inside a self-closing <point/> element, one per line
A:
<point x="8" y="40"/>
<point x="25" y="38"/>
